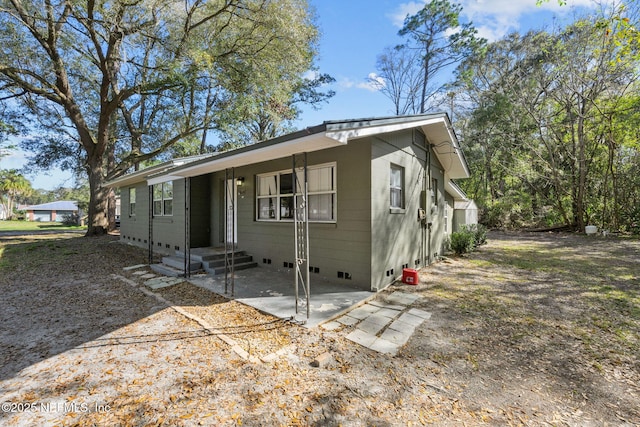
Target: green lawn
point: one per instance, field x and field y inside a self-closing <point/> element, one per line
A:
<point x="35" y="226"/>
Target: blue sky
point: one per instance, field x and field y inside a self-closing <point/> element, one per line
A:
<point x="353" y="34"/>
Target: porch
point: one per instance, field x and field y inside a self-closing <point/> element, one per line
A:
<point x="273" y="292"/>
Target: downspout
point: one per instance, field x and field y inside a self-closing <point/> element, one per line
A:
<point x="187" y="224"/>
<point x="150" y="251"/>
<point x="428" y="204"/>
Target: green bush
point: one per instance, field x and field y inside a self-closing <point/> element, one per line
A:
<point x="479" y="233"/>
<point x="462" y="241"/>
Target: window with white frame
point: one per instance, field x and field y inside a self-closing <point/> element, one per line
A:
<point x="163" y="199"/>
<point x="132" y="202"/>
<point x="274" y="194"/>
<point x="396" y="187"/>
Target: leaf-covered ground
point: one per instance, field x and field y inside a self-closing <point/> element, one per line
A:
<point x="533" y="329"/>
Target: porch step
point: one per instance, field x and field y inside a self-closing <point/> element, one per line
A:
<point x="177" y="262"/>
<point x="207" y="254"/>
<point x="166" y="270"/>
<point x="239" y="258"/>
<point x="237" y="266"/>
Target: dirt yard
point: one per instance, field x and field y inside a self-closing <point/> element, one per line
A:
<point x="532" y="329"/>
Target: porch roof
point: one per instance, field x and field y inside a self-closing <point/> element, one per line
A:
<point x="436" y="127"/>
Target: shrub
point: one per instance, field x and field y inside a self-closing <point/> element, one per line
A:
<point x="479" y="233"/>
<point x="70" y="220"/>
<point x="462" y="241"/>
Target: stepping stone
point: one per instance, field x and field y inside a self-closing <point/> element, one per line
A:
<point x="383" y="346"/>
<point x="134" y="267"/>
<point x="331" y="326"/>
<point x="373" y="324"/>
<point x="397" y="337"/>
<point x="403" y="298"/>
<point x="410" y="319"/>
<point x="420" y="313"/>
<point x="139" y="273"/>
<point x="363" y="311"/>
<point x="163" y="282"/>
<point x="388" y="313"/>
<point x="361" y="337"/>
<point x="384" y="304"/>
<point x="348" y="320"/>
<point x="148" y="276"/>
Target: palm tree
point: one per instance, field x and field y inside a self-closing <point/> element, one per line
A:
<point x="12" y="185"/>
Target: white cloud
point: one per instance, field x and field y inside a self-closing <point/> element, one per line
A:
<point x="496" y="18"/>
<point x="373" y="83"/>
<point x="397" y="17"/>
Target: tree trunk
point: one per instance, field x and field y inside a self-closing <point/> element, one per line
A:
<point x="98" y="200"/>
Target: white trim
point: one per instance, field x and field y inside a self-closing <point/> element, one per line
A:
<point x="278" y="196"/>
<point x="162" y="179"/>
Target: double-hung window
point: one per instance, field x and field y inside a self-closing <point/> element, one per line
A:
<point x="274" y="194"/>
<point x="163" y="199"/>
<point x="396" y="187"/>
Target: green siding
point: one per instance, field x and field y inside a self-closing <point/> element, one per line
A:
<point x="343" y="246"/>
<point x="368" y="239"/>
<point x="397" y="238"/>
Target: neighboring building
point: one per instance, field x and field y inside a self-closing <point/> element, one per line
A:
<point x="3" y="213"/>
<point x="51" y="212"/>
<point x="379" y="195"/>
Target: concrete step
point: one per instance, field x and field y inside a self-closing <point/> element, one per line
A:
<point x="237" y="266"/>
<point x="178" y="263"/>
<point x="165" y="270"/>
<point x="207" y="254"/>
<point x="219" y="262"/>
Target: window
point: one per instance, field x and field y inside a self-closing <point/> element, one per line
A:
<point x="274" y="195"/>
<point x="396" y="187"/>
<point x="163" y="199"/>
<point x="132" y="202"/>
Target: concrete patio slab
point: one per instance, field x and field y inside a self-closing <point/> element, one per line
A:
<point x="273" y="292"/>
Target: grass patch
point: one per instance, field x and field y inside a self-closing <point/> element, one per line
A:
<point x="36" y="226"/>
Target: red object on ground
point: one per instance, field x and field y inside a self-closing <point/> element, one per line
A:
<point x="410" y="276"/>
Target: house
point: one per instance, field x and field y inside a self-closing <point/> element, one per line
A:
<point x="51" y="212"/>
<point x="368" y="198"/>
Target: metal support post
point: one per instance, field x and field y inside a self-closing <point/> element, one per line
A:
<point x="187" y="225"/>
<point x="229" y="232"/>
<point x="301" y="232"/>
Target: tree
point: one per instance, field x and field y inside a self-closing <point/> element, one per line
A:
<point x="12" y="185"/>
<point x="115" y="83"/>
<point x="271" y="108"/>
<point x="437" y="40"/>
<point x="548" y="130"/>
<point x="401" y="78"/>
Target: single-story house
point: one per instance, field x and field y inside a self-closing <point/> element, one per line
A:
<point x="369" y="197"/>
<point x="51" y="212"/>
